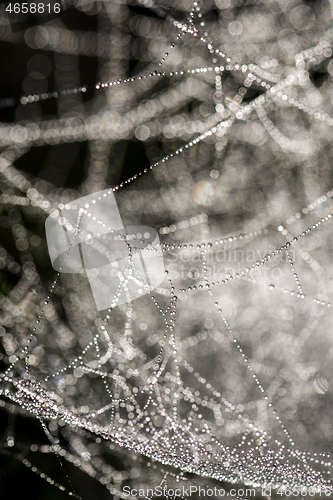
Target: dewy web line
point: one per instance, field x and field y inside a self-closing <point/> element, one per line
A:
<point x="150" y="390"/>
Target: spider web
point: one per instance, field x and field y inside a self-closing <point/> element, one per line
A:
<point x="221" y="375"/>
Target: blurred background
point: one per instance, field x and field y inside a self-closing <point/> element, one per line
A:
<point x="146" y="397"/>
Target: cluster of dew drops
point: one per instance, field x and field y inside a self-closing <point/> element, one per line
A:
<point x="257" y="459"/>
